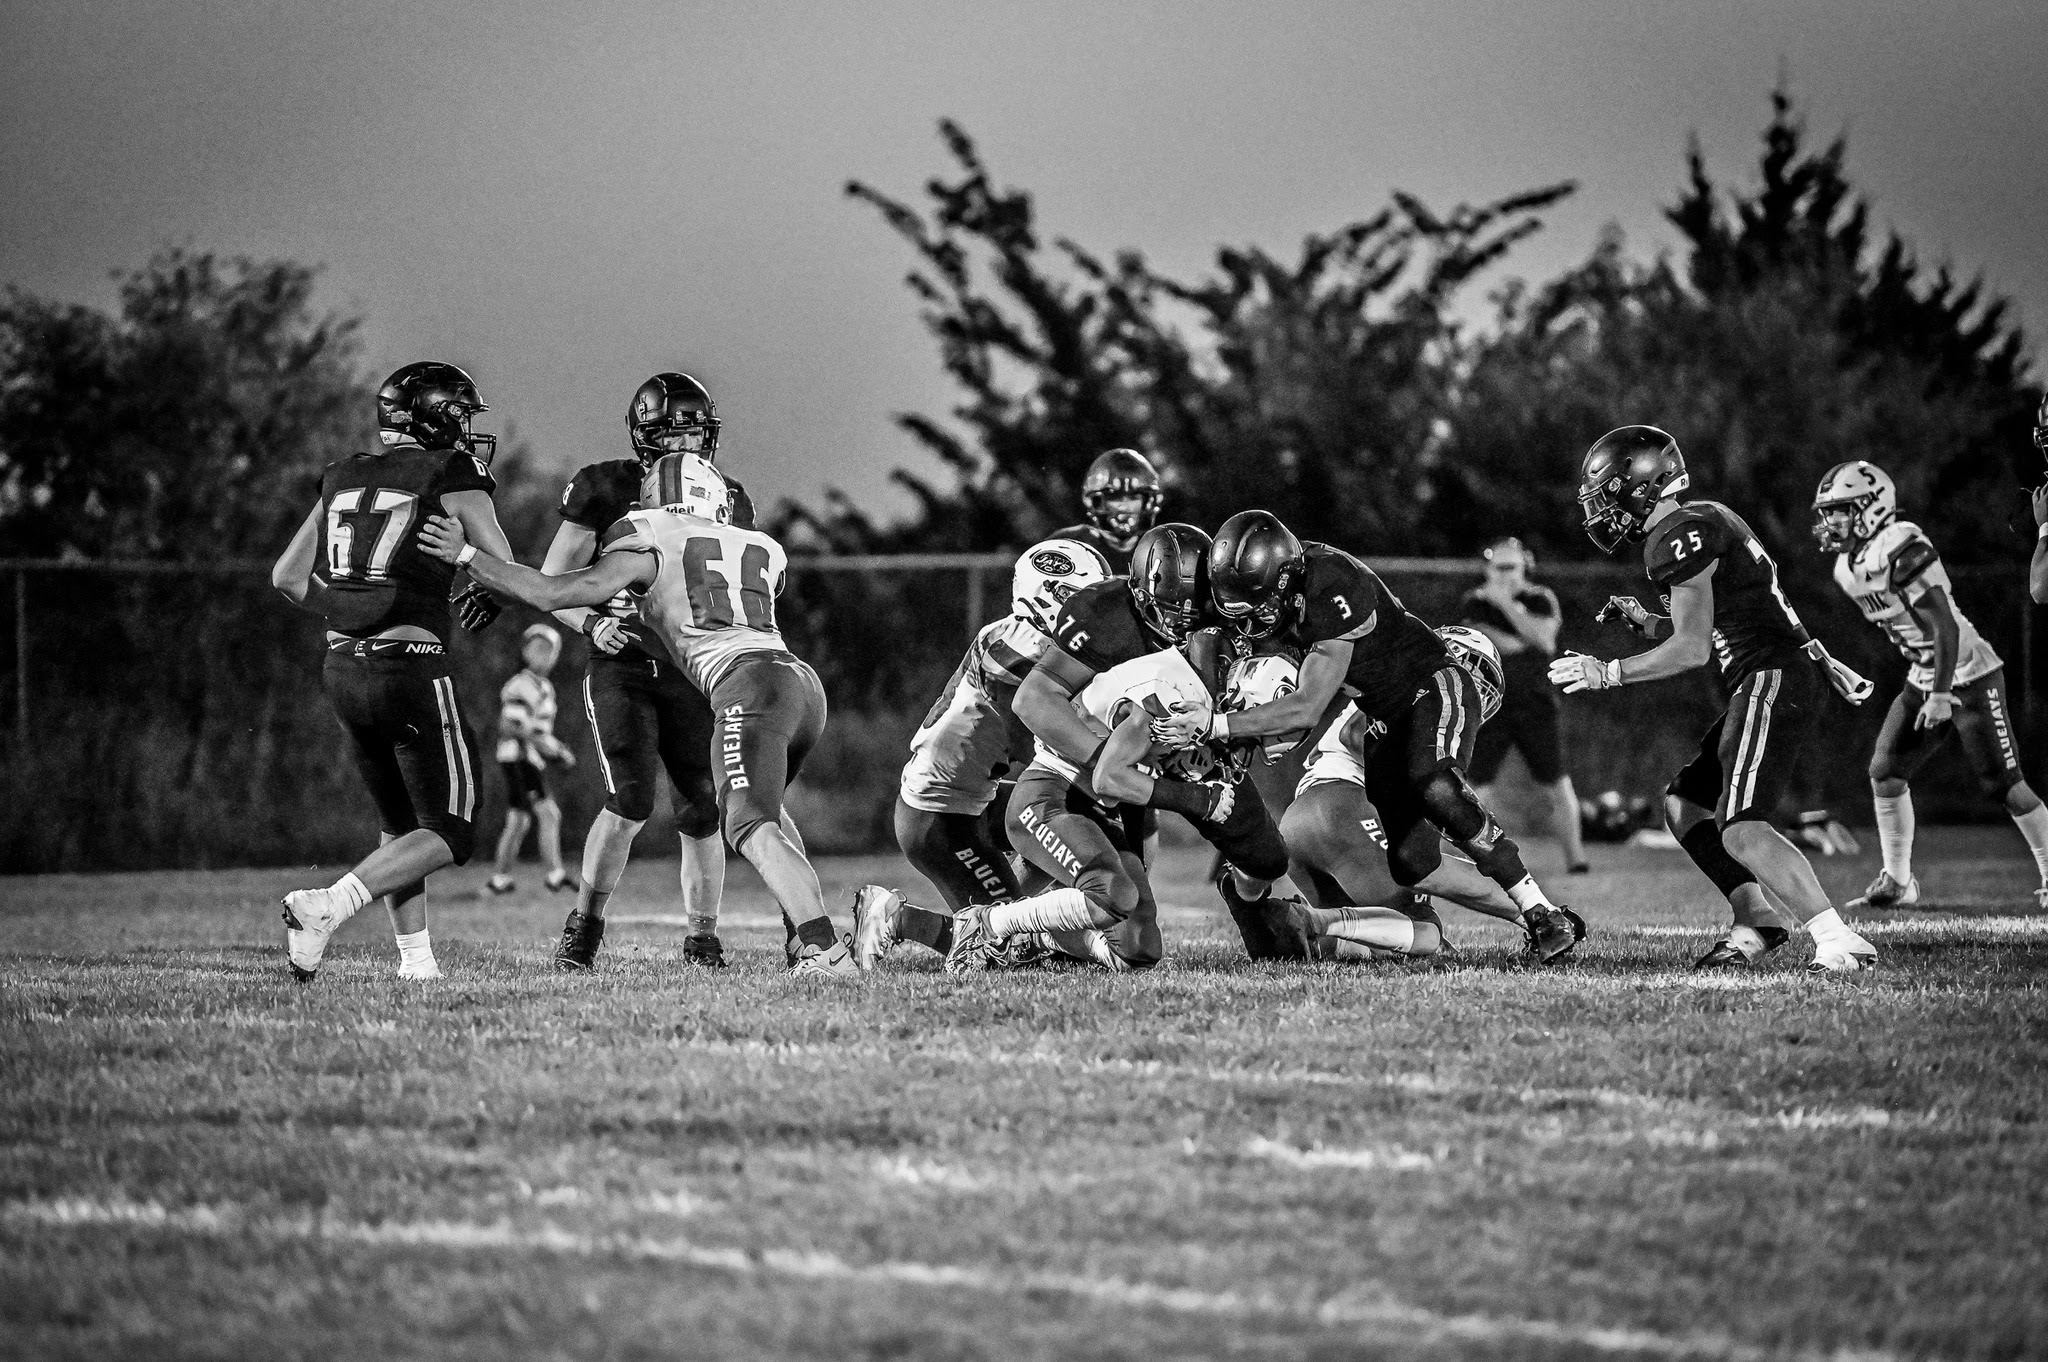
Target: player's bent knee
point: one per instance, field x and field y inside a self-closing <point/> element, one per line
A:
<point x="1452" y="805"/>
<point x="1108" y="890"/>
<point x="457" y="834"/>
<point x="697" y="808"/>
<point x="1416" y="856"/>
<point x="633" y="802"/>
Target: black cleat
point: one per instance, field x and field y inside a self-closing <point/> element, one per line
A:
<point x="703" y="949"/>
<point x="1726" y="955"/>
<point x="1553" y="933"/>
<point x="577" y="951"/>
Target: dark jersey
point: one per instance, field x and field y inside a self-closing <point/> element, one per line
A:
<point x="371" y="506"/>
<point x="597" y="498"/>
<point x="1100" y="626"/>
<point x="1119" y="560"/>
<point x="1393" y="653"/>
<point x="1755" y="627"/>
<point x="1476" y="608"/>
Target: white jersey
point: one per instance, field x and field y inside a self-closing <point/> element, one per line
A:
<point x="1893" y="566"/>
<point x="526" y="711"/>
<point x="965" y="744"/>
<point x="713" y="601"/>
<point x="1335" y="760"/>
<point x="1161" y="683"/>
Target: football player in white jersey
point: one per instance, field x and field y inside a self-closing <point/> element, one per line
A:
<point x="1956" y="684"/>
<point x="968" y="742"/>
<point x="1337" y="847"/>
<point x="708" y="589"/>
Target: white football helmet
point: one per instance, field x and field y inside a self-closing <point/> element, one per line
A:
<point x="688" y="484"/>
<point x="1257" y="680"/>
<point x="1475" y="652"/>
<point x="1854" y="502"/>
<point x="1047" y="573"/>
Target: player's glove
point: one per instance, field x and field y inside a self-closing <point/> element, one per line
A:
<point x="476" y="609"/>
<point x="605" y="633"/>
<point x="1847" y="682"/>
<point x="1629" y="611"/>
<point x="1182" y="727"/>
<point x="1577" y="672"/>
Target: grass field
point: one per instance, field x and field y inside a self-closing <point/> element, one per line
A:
<point x="1473" y="1159"/>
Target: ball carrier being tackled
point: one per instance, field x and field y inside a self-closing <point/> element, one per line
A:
<point x="708" y="588"/>
<point x="1722" y="591"/>
<point x="1357" y="638"/>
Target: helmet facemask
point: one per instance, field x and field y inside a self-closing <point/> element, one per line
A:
<point x="1838" y="525"/>
<point x="1122" y="511"/>
<point x="1608" y="523"/>
<point x="1170" y="620"/>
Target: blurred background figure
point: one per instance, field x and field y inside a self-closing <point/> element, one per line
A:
<point x="526" y="744"/>
<point x="1522" y="619"/>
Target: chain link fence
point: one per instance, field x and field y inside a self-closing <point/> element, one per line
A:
<point x="170" y="714"/>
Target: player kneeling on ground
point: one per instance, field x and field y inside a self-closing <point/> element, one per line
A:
<point x="709" y="589"/>
<point x="1338" y="849"/>
<point x="1956" y="686"/>
<point x="1722" y="589"/>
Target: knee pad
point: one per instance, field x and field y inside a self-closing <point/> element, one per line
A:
<point x="1702" y="841"/>
<point x="1452" y="806"/>
<point x="696" y="806"/>
<point x="632" y="801"/>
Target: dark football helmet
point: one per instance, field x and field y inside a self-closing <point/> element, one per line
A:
<point x="1121" y="475"/>
<point x="1625" y="474"/>
<point x="2041" y="426"/>
<point x="1255" y="565"/>
<point x="673" y="414"/>
<point x="1170" y="580"/>
<point x="429" y="404"/>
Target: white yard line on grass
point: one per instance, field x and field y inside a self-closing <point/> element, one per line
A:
<point x="2029" y="927"/>
<point x="1346" y="1309"/>
<point x="1380" y="1160"/>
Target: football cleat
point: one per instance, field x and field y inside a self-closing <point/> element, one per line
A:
<point x="1727" y="955"/>
<point x="972" y="942"/>
<point x="1553" y="933"/>
<point x="311" y="916"/>
<point x="1845" y="954"/>
<point x="874" y="923"/>
<point x="703" y="949"/>
<point x="500" y="884"/>
<point x="1886" y="892"/>
<point x="1025" y="950"/>
<point x="430" y="970"/>
<point x="815" y="962"/>
<point x="576" y="953"/>
<point x="558" y="880"/>
<point x="1422" y="908"/>
<point x="1292" y="929"/>
<point x="1250" y="917"/>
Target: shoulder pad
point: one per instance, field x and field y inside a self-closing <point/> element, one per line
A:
<point x="600" y="494"/>
<point x="462" y="471"/>
<point x="1684" y="545"/>
<point x="1905" y="551"/>
<point x="1340" y="597"/>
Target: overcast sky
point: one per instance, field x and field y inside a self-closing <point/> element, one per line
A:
<point x="564" y="199"/>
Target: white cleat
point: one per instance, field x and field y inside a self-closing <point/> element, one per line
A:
<point x="1844" y="954"/>
<point x="814" y="963"/>
<point x="311" y="916"/>
<point x="430" y="970"/>
<point x="1886" y="892"/>
<point x="874" y="924"/>
<point x="2041" y="898"/>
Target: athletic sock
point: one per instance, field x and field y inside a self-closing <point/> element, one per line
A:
<point x="1895" y="833"/>
<point x="415" y="952"/>
<point x="1056" y="910"/>
<point x="1527" y="895"/>
<point x="816" y="931"/>
<point x="1381" y="927"/>
<point x="2034" y="827"/>
<point x="924" y="926"/>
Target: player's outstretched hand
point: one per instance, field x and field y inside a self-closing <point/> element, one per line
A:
<point x="442" y="537"/>
<point x="2041" y="504"/>
<point x="1577" y="672"/>
<point x="1935" y="710"/>
<point x="1629" y="610"/>
<point x="476" y="609"/>
<point x="1180" y="728"/>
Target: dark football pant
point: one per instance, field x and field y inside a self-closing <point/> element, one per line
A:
<point x="1415" y="777"/>
<point x="645" y="716"/>
<point x="1981" y="722"/>
<point x="1747" y="758"/>
<point x="526" y="785"/>
<point x="1060" y="831"/>
<point x="769" y="711"/>
<point x="954" y="852"/>
<point x="1248" y="838"/>
<point x="413" y="748"/>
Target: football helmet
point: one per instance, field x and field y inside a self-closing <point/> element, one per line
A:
<point x="430" y="404"/>
<point x="1170" y="579"/>
<point x="688" y="484"/>
<point x="1120" y="475"/>
<point x="2041" y="426"/>
<point x="1047" y="573"/>
<point x="1855" y="501"/>
<point x="1476" y="653"/>
<point x="1257" y="680"/>
<point x="1625" y="474"/>
<point x="1254" y="567"/>
<point x="672" y="414"/>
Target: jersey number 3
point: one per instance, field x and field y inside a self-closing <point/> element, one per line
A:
<point x="363" y="539"/>
<point x="716" y="601"/>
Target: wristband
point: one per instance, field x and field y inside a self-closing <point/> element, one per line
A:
<point x="468" y="552"/>
<point x="1219" y="728"/>
<point x="1613" y="672"/>
<point x="2043" y="532"/>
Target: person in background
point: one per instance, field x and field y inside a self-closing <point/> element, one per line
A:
<point x="1522" y="619"/>
<point x="2037" y="571"/>
<point x="526" y="744"/>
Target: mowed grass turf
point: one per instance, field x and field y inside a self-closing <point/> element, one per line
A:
<point x="1468" y="1158"/>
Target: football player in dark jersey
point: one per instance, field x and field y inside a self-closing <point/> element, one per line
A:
<point x="644" y="713"/>
<point x="1055" y="822"/>
<point x="1722" y="591"/>
<point x="1358" y="639"/>
<point x="357" y="561"/>
<point x="1121" y="495"/>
